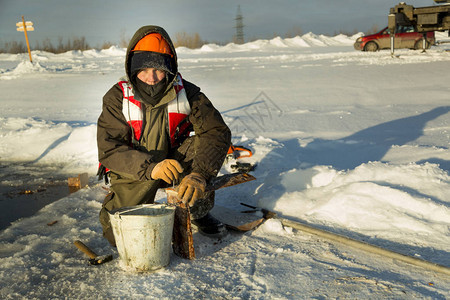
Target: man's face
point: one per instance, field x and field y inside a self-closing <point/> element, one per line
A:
<point x="151" y="76"/>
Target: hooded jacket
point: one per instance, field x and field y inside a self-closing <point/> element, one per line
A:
<point x="135" y="162"/>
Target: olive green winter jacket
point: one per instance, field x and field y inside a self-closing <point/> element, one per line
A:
<point x="115" y="149"/>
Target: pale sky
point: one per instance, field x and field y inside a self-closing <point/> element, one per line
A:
<point x="108" y="20"/>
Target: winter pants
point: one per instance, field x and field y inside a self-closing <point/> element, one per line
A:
<point x="128" y="192"/>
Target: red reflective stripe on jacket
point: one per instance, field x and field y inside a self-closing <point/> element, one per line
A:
<point x="132" y="109"/>
<point x="177" y="109"/>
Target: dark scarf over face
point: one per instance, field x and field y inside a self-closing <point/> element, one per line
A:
<point x="151" y="94"/>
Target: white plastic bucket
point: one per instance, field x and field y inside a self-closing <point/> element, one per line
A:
<point x="143" y="235"/>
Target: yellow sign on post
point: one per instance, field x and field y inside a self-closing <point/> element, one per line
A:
<point x="26" y="26"/>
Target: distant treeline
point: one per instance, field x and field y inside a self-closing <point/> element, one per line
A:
<point x="181" y="39"/>
<point x="77" y="43"/>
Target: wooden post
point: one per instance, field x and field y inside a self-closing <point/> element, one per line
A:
<point x="26" y="37"/>
<point x="182" y="239"/>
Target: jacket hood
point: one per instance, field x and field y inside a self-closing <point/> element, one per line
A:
<point x="140" y="33"/>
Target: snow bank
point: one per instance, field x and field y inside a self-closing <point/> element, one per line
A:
<point x="24" y="67"/>
<point x="49" y="142"/>
<point x="35" y="137"/>
<point x="112" y="51"/>
<point x="305" y="41"/>
<point x="375" y="199"/>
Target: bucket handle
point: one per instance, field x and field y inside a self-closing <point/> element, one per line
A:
<point x="129" y="210"/>
<point x="126" y="211"/>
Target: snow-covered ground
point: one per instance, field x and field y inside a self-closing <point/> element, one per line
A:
<point x="355" y="143"/>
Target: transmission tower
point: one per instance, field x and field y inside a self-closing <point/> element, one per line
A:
<point x="239" y="39"/>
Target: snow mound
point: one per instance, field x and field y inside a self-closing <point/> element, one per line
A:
<point x="275" y="227"/>
<point x="209" y="48"/>
<point x="23" y="68"/>
<point x="59" y="143"/>
<point x="79" y="150"/>
<point x="305" y="41"/>
<point x="313" y="40"/>
<point x="388" y="200"/>
<point x="112" y="51"/>
<point x="28" y="67"/>
<point x="297" y="42"/>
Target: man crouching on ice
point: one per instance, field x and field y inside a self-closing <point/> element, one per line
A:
<point x="156" y="129"/>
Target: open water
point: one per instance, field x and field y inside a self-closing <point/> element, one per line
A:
<point x="26" y="188"/>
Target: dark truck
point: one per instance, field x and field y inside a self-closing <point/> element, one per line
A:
<point x="423" y="19"/>
<point x="409" y="27"/>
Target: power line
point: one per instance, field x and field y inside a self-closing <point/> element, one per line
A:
<point x="239" y="38"/>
